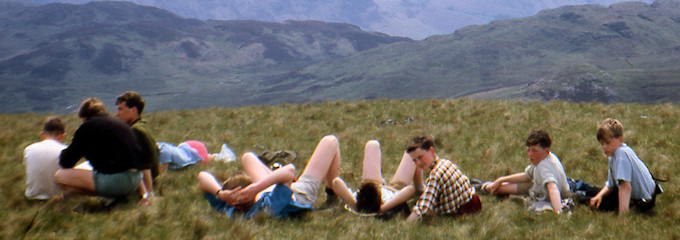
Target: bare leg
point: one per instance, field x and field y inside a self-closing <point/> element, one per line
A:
<point x="505" y="189"/>
<point x="253" y="167"/>
<point x="372" y="156"/>
<point x="341" y="189"/>
<point x="75" y="180"/>
<point x="406" y="170"/>
<point x="400" y="197"/>
<point x="325" y="161"/>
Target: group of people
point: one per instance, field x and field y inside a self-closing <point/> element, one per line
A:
<point x="124" y="158"/>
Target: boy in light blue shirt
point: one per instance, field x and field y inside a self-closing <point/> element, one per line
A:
<point x="629" y="182"/>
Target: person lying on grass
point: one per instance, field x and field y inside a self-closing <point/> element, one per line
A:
<point x="447" y="190"/>
<point x="629" y="181"/>
<point x="374" y="196"/>
<point x="544" y="180"/>
<point x="276" y="192"/>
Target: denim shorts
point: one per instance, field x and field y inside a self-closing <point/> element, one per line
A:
<point x="117" y="184"/>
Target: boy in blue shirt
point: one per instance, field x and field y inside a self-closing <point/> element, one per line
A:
<point x="629" y="182"/>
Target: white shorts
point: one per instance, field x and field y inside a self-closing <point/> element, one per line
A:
<point x="305" y="190"/>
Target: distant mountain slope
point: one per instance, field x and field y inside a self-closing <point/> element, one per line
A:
<point x="416" y="19"/>
<point x="626" y="52"/>
<point x="51" y="56"/>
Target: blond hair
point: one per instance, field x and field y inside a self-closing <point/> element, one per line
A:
<point x="609" y="129"/>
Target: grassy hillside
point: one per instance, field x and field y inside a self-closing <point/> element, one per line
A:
<point x="485" y="139"/>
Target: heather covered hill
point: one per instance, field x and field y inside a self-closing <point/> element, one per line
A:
<point x="53" y="55"/>
<point x="417" y="19"/>
<point x="628" y="52"/>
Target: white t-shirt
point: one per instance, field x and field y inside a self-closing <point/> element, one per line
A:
<point x="548" y="170"/>
<point x="42" y="162"/>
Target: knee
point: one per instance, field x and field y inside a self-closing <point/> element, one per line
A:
<point x="330" y="140"/>
<point x="372" y="144"/>
<point x="249" y="156"/>
<point x="59" y="176"/>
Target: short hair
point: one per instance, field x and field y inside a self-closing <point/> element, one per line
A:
<point x="54" y="126"/>
<point x="609" y="129"/>
<point x="131" y="99"/>
<point x="421" y="141"/>
<point x="239" y="180"/>
<point x="91" y="107"/>
<point x="369" y="197"/>
<point x="539" y="137"/>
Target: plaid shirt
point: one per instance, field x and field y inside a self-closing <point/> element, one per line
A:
<point x="446" y="189"/>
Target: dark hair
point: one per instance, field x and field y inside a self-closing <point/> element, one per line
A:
<point x="91" y="107"/>
<point x="539" y="137"/>
<point x="54" y="126"/>
<point x="131" y="99"/>
<point x="369" y="197"/>
<point x="609" y="129"/>
<point x="239" y="180"/>
<point x="420" y="141"/>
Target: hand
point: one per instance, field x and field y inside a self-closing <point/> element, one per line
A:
<point x="493" y="187"/>
<point x="145" y="202"/>
<point x="229" y="196"/>
<point x="245" y="195"/>
<point x="595" y="202"/>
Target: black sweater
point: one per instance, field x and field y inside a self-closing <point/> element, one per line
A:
<point x="108" y="143"/>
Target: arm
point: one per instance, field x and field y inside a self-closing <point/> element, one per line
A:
<point x="413" y="217"/>
<point x="208" y="184"/>
<point x="145" y="201"/>
<point x="513" y="178"/>
<point x="147" y="180"/>
<point x="624" y="196"/>
<point x="555" y="197"/>
<point x="400" y="197"/>
<point x="418" y="180"/>
<point x="595" y="201"/>
<point x="340" y="189"/>
<point x="284" y="174"/>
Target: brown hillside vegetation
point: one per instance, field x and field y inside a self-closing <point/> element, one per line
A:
<point x="484" y="138"/>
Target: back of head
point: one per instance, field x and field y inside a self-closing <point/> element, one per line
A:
<point x="131" y="99"/>
<point x="239" y="180"/>
<point x="539" y="137"/>
<point x="421" y="141"/>
<point x="54" y="126"/>
<point x="91" y="107"/>
<point x="609" y="129"/>
<point x="369" y="197"/>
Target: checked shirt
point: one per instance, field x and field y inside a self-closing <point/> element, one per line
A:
<point x="446" y="189"/>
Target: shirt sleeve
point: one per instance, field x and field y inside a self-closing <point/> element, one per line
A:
<point x="70" y="156"/>
<point x="427" y="201"/>
<point x="622" y="169"/>
<point x="529" y="171"/>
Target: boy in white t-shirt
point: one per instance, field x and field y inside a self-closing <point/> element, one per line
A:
<point x="544" y="180"/>
<point x="42" y="161"/>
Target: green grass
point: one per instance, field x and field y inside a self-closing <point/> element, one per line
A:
<point x="485" y="139"/>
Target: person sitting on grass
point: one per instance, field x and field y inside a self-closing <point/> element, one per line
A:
<point x="113" y="152"/>
<point x="129" y="107"/>
<point x="447" y="190"/>
<point x="544" y="180"/>
<point x="374" y="196"/>
<point x="629" y="181"/>
<point x="276" y="192"/>
<point x="42" y="161"/>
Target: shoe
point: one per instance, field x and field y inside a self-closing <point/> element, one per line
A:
<point x="479" y="185"/>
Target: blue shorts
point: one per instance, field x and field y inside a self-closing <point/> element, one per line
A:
<point x="117" y="184"/>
